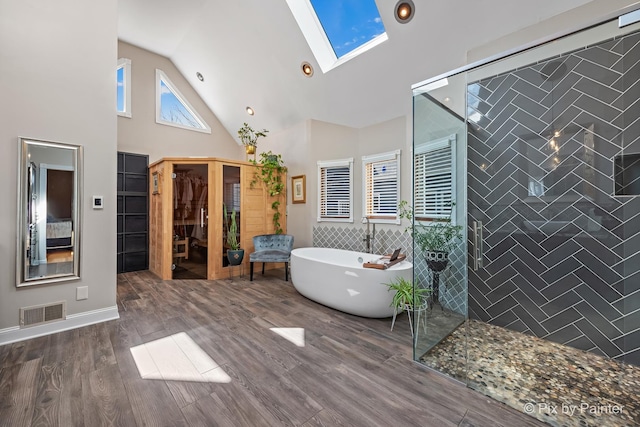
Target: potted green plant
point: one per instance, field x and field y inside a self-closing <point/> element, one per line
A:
<point x="270" y="171"/>
<point x="407" y="298"/>
<point x="249" y="137"/>
<point x="436" y="240"/>
<point x="235" y="255"/>
<point x="439" y="236"/>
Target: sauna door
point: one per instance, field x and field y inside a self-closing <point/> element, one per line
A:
<point x="190" y="221"/>
<point x="231" y="201"/>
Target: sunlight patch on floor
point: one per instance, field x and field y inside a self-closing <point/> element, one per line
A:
<point x="177" y="358"/>
<point x="294" y="335"/>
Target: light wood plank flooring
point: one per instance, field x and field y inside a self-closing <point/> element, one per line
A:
<point x="350" y="371"/>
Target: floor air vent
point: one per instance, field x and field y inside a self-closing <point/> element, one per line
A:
<point x="37" y="315"/>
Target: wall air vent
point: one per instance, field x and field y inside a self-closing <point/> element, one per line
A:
<point x="39" y="314"/>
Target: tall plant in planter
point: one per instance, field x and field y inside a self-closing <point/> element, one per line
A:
<point x="235" y="255"/>
<point x="436" y="240"/>
<point x="270" y="171"/>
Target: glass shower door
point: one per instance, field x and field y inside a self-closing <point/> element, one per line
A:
<point x="439" y="166"/>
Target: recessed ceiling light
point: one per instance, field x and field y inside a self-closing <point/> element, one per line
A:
<point x="200" y="76"/>
<point x="404" y="11"/>
<point x="307" y="69"/>
<point x="250" y="111"/>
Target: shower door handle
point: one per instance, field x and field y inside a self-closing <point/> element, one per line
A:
<point x="477" y="245"/>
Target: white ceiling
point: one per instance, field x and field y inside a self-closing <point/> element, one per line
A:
<point x="250" y="52"/>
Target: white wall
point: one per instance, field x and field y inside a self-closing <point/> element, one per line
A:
<point x="57" y="79"/>
<point x="572" y="20"/>
<point x="141" y="134"/>
<point x="293" y="144"/>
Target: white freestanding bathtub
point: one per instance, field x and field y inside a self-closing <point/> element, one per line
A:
<point x="336" y="278"/>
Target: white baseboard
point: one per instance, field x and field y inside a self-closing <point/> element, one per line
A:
<point x="73" y="321"/>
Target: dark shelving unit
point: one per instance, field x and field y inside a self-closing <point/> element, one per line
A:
<point x="133" y="212"/>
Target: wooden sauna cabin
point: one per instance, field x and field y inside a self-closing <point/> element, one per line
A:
<point x="187" y="233"/>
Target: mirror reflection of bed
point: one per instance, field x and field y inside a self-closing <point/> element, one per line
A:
<point x="58" y="246"/>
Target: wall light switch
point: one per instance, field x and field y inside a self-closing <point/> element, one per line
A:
<point x="98" y="202"/>
<point x="82" y="292"/>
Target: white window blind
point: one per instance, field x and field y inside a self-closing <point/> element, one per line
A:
<point x="335" y="192"/>
<point x="231" y="196"/>
<point x="434" y="187"/>
<point x="381" y="181"/>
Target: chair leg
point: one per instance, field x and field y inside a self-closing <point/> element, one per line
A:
<point x="263" y="268"/>
<point x="251" y="271"/>
<point x="286" y="271"/>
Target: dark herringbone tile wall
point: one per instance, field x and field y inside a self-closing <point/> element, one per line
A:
<point x="562" y="252"/>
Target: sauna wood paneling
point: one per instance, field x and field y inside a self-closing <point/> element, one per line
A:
<point x="255" y="206"/>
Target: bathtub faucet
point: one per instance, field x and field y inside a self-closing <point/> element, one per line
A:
<point x="369" y="237"/>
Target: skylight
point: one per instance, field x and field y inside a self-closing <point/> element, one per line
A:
<point x="338" y="30"/>
<point x="348" y="24"/>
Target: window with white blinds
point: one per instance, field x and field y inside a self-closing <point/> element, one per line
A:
<point x="335" y="190"/>
<point x="434" y="184"/>
<point x="381" y="183"/>
<point x="231" y="196"/>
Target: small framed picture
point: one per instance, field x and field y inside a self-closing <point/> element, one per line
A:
<point x="155" y="183"/>
<point x="299" y="186"/>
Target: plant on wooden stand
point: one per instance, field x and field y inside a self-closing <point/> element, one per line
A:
<point x="234" y="253"/>
<point x="270" y="170"/>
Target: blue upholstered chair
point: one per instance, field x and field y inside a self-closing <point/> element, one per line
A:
<point x="271" y="248"/>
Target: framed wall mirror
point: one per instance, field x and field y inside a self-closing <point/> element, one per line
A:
<point x="49" y="180"/>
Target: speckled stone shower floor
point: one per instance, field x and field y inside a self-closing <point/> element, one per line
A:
<point x="557" y="384"/>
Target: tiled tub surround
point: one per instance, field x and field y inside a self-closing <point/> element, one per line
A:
<point x="562" y="254"/>
<point x="544" y="378"/>
<point x="453" y="291"/>
<point x="351" y="238"/>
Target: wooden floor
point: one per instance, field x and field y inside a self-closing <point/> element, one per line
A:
<point x="350" y="371"/>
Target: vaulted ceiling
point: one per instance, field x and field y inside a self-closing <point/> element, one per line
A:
<point x="250" y="52"/>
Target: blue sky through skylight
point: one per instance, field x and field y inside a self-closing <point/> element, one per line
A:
<point x="348" y="24"/>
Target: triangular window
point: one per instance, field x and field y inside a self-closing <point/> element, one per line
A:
<point x="173" y="109"/>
